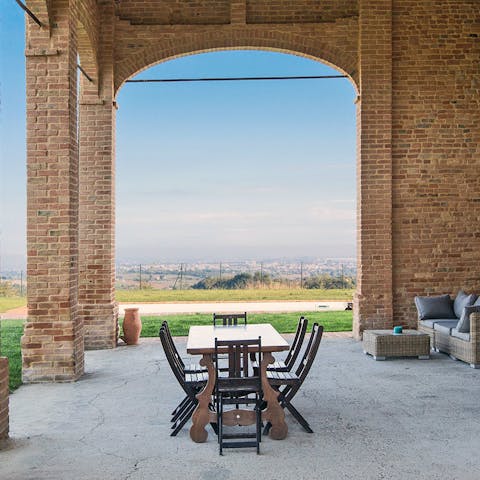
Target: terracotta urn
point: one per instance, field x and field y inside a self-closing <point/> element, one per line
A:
<point x="132" y="326"/>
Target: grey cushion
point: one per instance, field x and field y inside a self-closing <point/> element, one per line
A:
<point x="463" y="336"/>
<point x="464" y="323"/>
<point x="462" y="300"/>
<point x="430" y="323"/>
<point x="434" y="307"/>
<point x="445" y="326"/>
<point x="477" y="302"/>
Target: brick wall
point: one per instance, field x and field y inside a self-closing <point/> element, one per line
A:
<point x="436" y="150"/>
<point x="169" y="12"/>
<point x="415" y="66"/>
<point x="3" y="397"/>
<point x="299" y="11"/>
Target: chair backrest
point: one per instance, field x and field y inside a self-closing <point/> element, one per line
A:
<point x="172" y="343"/>
<point x="297" y="342"/>
<point x="173" y="358"/>
<point x="229" y="319"/>
<point x="239" y="368"/>
<point x="307" y="359"/>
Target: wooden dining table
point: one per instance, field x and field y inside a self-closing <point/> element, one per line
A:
<point x="201" y="341"/>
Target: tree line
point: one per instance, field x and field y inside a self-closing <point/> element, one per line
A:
<point x="258" y="279"/>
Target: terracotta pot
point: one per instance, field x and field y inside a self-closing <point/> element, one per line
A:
<point x="132" y="326"/>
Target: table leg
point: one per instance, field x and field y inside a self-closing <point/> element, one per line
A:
<point x="201" y="415"/>
<point x="274" y="412"/>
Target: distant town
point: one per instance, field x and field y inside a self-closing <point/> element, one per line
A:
<point x="290" y="273"/>
<point x="183" y="275"/>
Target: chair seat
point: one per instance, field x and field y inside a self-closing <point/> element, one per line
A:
<point x="279" y="366"/>
<point x="241" y="399"/>
<point x="196" y="377"/>
<point x="194" y="368"/>
<point x="228" y="385"/>
<point x="445" y="326"/>
<point x="281" y="378"/>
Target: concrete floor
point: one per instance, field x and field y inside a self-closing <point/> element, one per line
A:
<point x="398" y="419"/>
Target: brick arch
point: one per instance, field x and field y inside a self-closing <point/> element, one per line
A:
<point x="87" y="40"/>
<point x="359" y="47"/>
<point x="88" y="57"/>
<point x="330" y="54"/>
<point x="294" y="44"/>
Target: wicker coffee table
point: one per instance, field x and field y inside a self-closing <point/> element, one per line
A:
<point x="384" y="343"/>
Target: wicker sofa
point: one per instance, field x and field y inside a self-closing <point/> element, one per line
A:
<point x="453" y="325"/>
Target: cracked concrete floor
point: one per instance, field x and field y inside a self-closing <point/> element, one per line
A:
<point x="398" y="419"/>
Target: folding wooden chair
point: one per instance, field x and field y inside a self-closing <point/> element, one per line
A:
<point x="287" y="365"/>
<point x="235" y="387"/>
<point x="189" y="368"/>
<point x="292" y="382"/>
<point x="191" y="383"/>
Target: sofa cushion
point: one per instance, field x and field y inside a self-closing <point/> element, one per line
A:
<point x="430" y="323"/>
<point x="460" y="335"/>
<point x="464" y="322"/>
<point x="445" y="326"/>
<point x="434" y="307"/>
<point x="462" y="300"/>
<point x="477" y="302"/>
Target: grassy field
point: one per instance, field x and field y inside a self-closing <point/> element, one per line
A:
<point x="12" y="330"/>
<point x="7" y="303"/>
<point x="254" y="295"/>
<point x="283" y="322"/>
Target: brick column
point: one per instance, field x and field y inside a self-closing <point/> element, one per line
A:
<point x="373" y="299"/>
<point x="97" y="305"/>
<point x="52" y="344"/>
<point x="3" y="398"/>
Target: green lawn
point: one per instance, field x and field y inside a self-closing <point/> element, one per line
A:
<point x="283" y="322"/>
<point x="254" y="295"/>
<point x="12" y="330"/>
<point x="232" y="295"/>
<point x="7" y="303"/>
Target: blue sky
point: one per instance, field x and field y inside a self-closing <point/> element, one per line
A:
<point x="215" y="171"/>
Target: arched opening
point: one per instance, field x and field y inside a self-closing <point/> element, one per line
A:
<point x="296" y="192"/>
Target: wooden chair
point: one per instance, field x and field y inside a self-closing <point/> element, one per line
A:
<point x="229" y="319"/>
<point x="191" y="383"/>
<point x="236" y="387"/>
<point x="189" y="368"/>
<point x="295" y="348"/>
<point x="287" y="365"/>
<point x="292" y="382"/>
